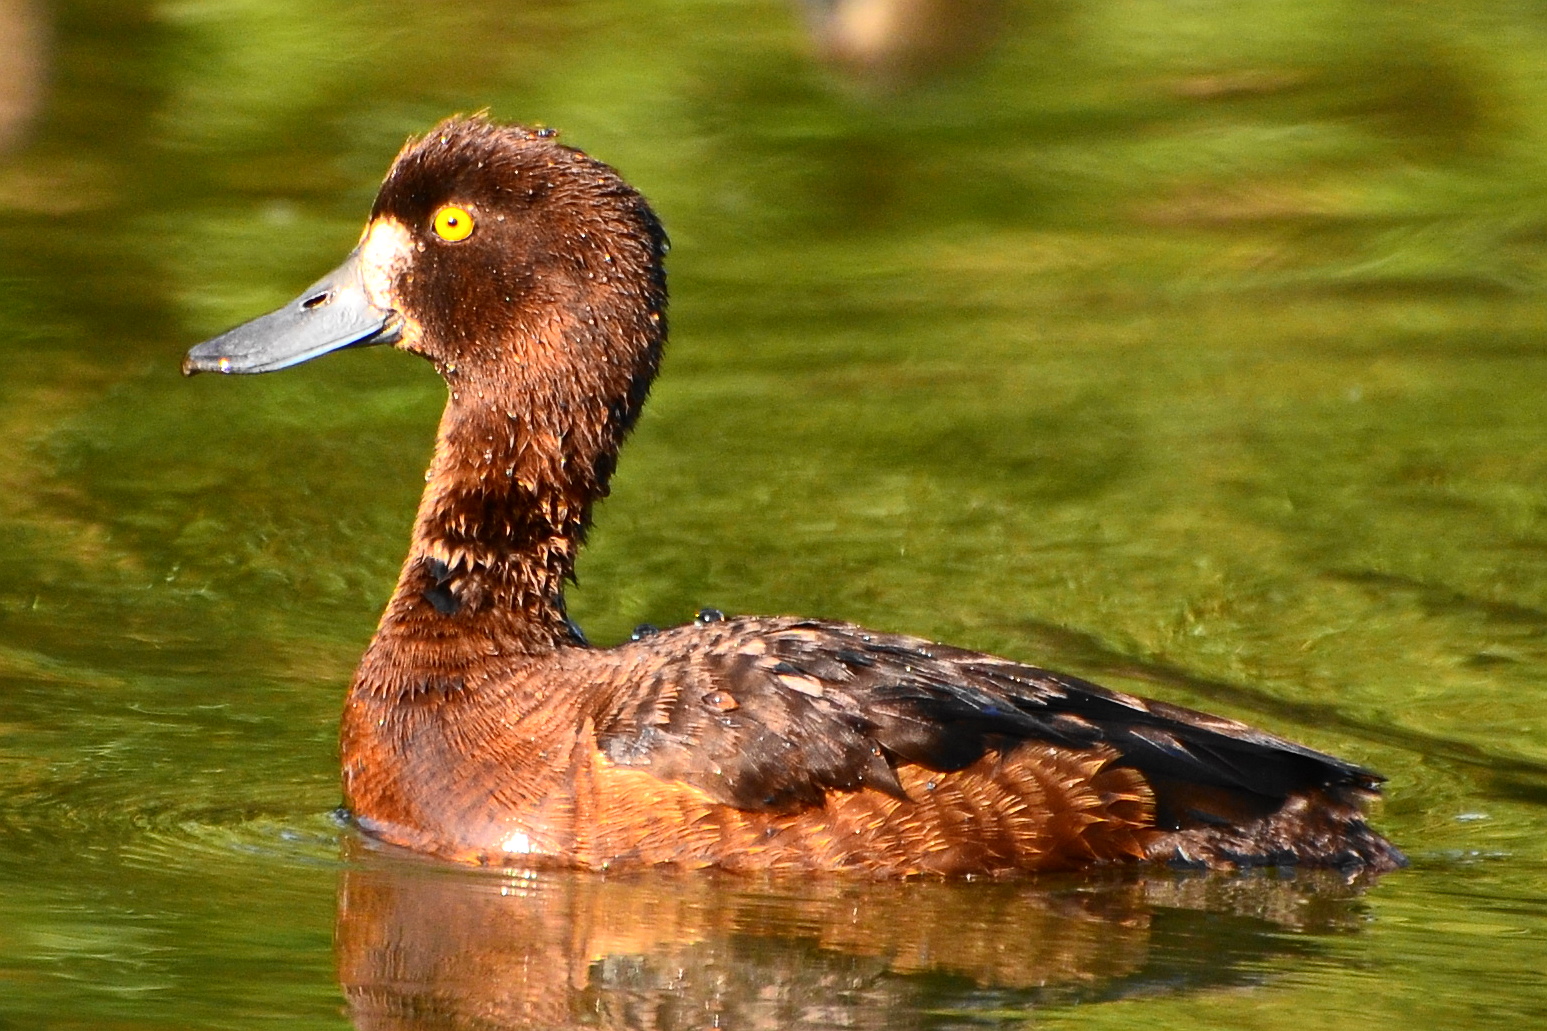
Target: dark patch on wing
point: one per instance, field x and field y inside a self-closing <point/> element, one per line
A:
<point x="726" y="723"/>
<point x="775" y="713"/>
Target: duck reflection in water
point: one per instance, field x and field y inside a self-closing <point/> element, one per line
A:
<point x="427" y="947"/>
<point x="481" y="727"/>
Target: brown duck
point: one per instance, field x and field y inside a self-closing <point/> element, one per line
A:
<point x="481" y="727"/>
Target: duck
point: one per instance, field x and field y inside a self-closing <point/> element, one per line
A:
<point x="483" y="728"/>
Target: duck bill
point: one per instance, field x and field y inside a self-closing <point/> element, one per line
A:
<point x="333" y="313"/>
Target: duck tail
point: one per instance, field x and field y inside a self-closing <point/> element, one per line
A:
<point x="1323" y="826"/>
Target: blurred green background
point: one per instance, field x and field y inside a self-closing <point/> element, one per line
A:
<point x="1194" y="348"/>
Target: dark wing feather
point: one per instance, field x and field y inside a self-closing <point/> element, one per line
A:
<point x="774" y="713"/>
<point x="727" y="721"/>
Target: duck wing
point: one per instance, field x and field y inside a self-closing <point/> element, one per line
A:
<point x="772" y="714"/>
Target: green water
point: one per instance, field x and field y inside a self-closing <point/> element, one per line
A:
<point x="1200" y="349"/>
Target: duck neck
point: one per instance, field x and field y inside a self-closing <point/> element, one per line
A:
<point x="505" y="507"/>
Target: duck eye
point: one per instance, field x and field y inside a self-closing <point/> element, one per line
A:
<point x="453" y="223"/>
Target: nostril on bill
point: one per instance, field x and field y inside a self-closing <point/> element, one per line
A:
<point x="316" y="299"/>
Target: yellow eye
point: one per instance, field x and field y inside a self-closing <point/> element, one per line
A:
<point x="453" y="223"/>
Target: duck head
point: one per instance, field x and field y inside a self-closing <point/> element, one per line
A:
<point x="531" y="276"/>
<point x="515" y="264"/>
